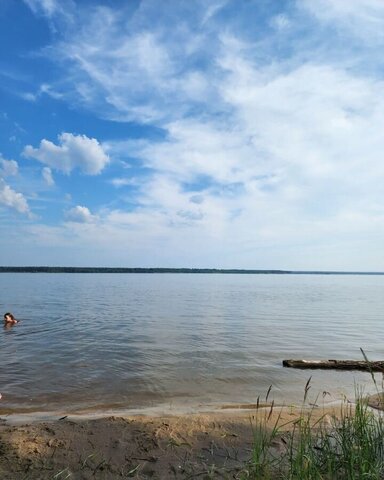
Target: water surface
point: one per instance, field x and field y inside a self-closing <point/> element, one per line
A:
<point x="181" y="341"/>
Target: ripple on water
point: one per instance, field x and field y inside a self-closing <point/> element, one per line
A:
<point x="142" y="340"/>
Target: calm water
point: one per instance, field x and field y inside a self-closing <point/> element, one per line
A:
<point x="175" y="341"/>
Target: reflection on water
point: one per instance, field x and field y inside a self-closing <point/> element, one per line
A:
<point x="141" y="340"/>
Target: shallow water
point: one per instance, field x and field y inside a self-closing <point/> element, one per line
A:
<point x="182" y="341"/>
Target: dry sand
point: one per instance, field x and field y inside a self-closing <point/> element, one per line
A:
<point x="202" y="446"/>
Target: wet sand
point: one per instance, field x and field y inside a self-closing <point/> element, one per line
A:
<point x="204" y="445"/>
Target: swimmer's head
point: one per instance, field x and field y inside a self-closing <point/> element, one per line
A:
<point x="9" y="318"/>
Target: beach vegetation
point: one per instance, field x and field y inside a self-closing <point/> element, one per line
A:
<point x="346" y="446"/>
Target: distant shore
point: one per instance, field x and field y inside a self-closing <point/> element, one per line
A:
<point x="47" y="269"/>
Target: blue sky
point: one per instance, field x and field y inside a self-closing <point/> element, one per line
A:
<point x="215" y="133"/>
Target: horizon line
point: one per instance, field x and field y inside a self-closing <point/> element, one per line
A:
<point x="63" y="269"/>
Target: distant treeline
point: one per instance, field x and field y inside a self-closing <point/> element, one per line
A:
<point x="129" y="270"/>
<point x="171" y="270"/>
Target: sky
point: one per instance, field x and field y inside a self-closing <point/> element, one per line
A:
<point x="192" y="133"/>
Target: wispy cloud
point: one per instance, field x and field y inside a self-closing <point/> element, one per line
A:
<point x="43" y="89"/>
<point x="51" y="8"/>
<point x="123" y="182"/>
<point x="47" y="176"/>
<point x="48" y="7"/>
<point x="363" y="19"/>
<point x="138" y="71"/>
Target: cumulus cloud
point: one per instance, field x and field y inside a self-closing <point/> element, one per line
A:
<point x="8" y="196"/>
<point x="47" y="176"/>
<point x="80" y="214"/>
<point x="73" y="151"/>
<point x="8" y="167"/>
<point x="12" y="199"/>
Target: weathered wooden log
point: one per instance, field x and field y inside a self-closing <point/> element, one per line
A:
<point x="336" y="364"/>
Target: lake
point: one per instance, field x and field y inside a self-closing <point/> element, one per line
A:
<point x="182" y="342"/>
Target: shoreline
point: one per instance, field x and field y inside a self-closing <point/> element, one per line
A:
<point x="152" y="445"/>
<point x="33" y="416"/>
<point x="142" y="446"/>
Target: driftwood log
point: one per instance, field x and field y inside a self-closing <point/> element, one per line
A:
<point x="336" y="364"/>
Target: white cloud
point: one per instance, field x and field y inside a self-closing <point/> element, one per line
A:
<point x="47" y="6"/>
<point x="123" y="182"/>
<point x="12" y="199"/>
<point x="50" y="8"/>
<point x="47" y="176"/>
<point x="8" y="167"/>
<point x="30" y="97"/>
<point x="73" y="151"/>
<point x="363" y="18"/>
<point x="47" y="89"/>
<point x="298" y="160"/>
<point x="212" y="9"/>
<point x="213" y="149"/>
<point x="155" y="240"/>
<point x="80" y="214"/>
<point x="281" y="22"/>
<point x="138" y="71"/>
<point x="44" y="89"/>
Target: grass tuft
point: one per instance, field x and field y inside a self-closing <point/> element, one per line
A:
<point x="347" y="447"/>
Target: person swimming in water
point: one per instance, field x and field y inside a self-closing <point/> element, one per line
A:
<point x="9" y="319"/>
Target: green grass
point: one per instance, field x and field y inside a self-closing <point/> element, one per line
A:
<point x="349" y="446"/>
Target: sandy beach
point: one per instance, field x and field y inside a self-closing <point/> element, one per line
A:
<point x="205" y="445"/>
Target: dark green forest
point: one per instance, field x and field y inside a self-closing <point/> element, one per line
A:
<point x="46" y="269"/>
